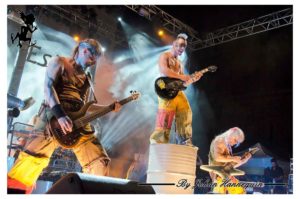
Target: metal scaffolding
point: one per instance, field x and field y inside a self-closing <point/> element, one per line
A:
<point x="100" y="27"/>
<point x="261" y="24"/>
<point x="169" y="22"/>
<point x="254" y="26"/>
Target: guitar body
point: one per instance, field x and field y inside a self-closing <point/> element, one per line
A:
<point x="223" y="171"/>
<point x="168" y="88"/>
<point x="70" y="139"/>
<point x="228" y="169"/>
<point x="80" y="119"/>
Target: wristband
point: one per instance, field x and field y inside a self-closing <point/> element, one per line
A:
<point x="58" y="112"/>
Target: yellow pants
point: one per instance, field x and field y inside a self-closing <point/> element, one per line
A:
<point x="179" y="108"/>
<point x="228" y="190"/>
<point x="89" y="152"/>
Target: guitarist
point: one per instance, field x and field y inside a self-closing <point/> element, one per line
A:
<point x="170" y="66"/>
<point x="221" y="153"/>
<point x="66" y="90"/>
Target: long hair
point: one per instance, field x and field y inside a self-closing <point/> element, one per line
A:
<point x="234" y="131"/>
<point x="94" y="43"/>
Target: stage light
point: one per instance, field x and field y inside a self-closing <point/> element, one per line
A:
<point x="119" y="19"/>
<point x="103" y="49"/>
<point x="160" y="33"/>
<point x="76" y="38"/>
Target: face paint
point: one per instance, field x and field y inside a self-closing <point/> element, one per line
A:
<point x="179" y="46"/>
<point x="90" y="48"/>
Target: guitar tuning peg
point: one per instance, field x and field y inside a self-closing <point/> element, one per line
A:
<point x="131" y="92"/>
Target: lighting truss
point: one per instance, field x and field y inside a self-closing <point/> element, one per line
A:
<point x="169" y="22"/>
<point x="101" y="28"/>
<point x="254" y="26"/>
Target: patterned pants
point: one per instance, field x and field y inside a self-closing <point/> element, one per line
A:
<point x="168" y="109"/>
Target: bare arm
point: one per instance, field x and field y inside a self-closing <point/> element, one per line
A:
<point x="165" y="70"/>
<point x="95" y="107"/>
<point x="52" y="72"/>
<point x="220" y="157"/>
<point x="243" y="161"/>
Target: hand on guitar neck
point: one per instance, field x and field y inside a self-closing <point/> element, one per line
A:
<point x="243" y="160"/>
<point x="168" y="87"/>
<point x="118" y="107"/>
<point x="66" y="123"/>
<point x="69" y="133"/>
<point x="193" y="78"/>
<point x="197" y="75"/>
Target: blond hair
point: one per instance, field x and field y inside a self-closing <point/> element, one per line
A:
<point x="236" y="131"/>
<point x="182" y="36"/>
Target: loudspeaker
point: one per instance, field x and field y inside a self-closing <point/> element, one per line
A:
<point x="78" y="183"/>
<point x="15" y="191"/>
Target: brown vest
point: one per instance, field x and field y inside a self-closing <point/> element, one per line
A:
<point x="71" y="89"/>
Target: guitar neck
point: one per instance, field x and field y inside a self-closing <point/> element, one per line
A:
<point x="81" y="122"/>
<point x="250" y="151"/>
<point x="122" y="102"/>
<point x="193" y="79"/>
<point x="244" y="156"/>
<point x="205" y="70"/>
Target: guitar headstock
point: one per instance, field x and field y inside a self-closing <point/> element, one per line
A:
<point x="135" y="95"/>
<point x="212" y="68"/>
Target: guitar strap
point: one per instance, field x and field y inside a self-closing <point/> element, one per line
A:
<point x="89" y="78"/>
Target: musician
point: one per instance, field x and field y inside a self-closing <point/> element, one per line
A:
<point x="221" y="153"/>
<point x="66" y="89"/>
<point x="275" y="175"/>
<point x="170" y="66"/>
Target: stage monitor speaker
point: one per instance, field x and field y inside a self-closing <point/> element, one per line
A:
<point x="78" y="183"/>
<point x="15" y="191"/>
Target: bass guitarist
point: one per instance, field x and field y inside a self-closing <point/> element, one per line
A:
<point x="66" y="90"/>
<point x="170" y="66"/>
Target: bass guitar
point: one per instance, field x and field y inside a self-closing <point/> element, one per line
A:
<point x="80" y="119"/>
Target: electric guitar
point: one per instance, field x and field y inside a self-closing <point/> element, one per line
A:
<point x="227" y="170"/>
<point x="80" y="119"/>
<point x="168" y="88"/>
